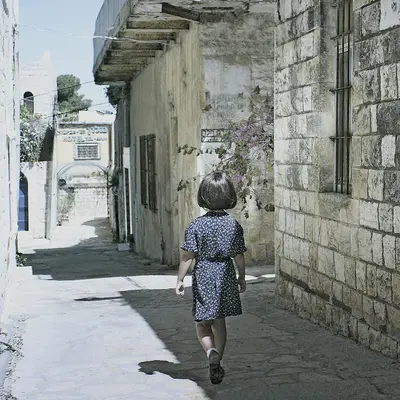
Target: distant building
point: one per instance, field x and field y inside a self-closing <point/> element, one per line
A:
<point x="38" y="86"/>
<point x="37" y="202"/>
<point x="83" y="151"/>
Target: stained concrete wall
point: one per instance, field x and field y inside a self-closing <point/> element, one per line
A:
<point x="167" y="104"/>
<point x="9" y="141"/>
<point x="337" y="255"/>
<point x="213" y="64"/>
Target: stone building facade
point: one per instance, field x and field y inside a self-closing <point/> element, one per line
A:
<point x="190" y="74"/>
<point x="38" y="188"/>
<point x="39" y="78"/>
<point x="83" y="156"/>
<point x="338" y="205"/>
<point x="9" y="141"/>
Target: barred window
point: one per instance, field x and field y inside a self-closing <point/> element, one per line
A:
<point x="29" y="102"/>
<point x="87" y="151"/>
<point x="148" y="172"/>
<point x="344" y="75"/>
<point x="143" y="170"/>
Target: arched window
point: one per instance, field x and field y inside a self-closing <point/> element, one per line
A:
<point x="29" y="102"/>
<point x="23" y="212"/>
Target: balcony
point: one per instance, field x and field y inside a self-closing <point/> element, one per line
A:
<point x="130" y="33"/>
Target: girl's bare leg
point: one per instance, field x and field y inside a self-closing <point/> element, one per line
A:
<point x="205" y="335"/>
<point x="219" y="330"/>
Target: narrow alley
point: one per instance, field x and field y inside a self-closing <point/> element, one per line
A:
<point x="92" y="323"/>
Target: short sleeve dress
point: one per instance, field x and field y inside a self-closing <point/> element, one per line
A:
<point x="215" y="238"/>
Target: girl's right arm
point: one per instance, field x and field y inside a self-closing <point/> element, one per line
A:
<point x="240" y="263"/>
<point x="186" y="261"/>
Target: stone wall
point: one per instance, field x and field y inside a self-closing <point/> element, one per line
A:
<point x="337" y="255"/>
<point x="37" y="177"/>
<point x="9" y="139"/>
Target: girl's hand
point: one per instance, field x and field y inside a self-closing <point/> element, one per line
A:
<point x="242" y="284"/>
<point x="180" y="288"/>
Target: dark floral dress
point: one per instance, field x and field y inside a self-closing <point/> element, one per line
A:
<point x="216" y="238"/>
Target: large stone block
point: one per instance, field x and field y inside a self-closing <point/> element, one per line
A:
<point x="326" y="264"/>
<point x="389" y="89"/>
<point x="371" y="280"/>
<point x="369" y="214"/>
<point x="385" y="212"/>
<point x="384" y="285"/>
<point x="362" y="119"/>
<point x="361" y="276"/>
<point x="396" y="219"/>
<point x="396" y="288"/>
<point x="367" y="87"/>
<point x="391" y="46"/>
<point x="371" y="151"/>
<point x="368" y="53"/>
<point x="390" y="15"/>
<point x="387" y="118"/>
<point x="370" y="16"/>
<point x="375" y="185"/>
<point x="360" y="183"/>
<point x="389" y="251"/>
<point x="350" y="272"/>
<point x="306" y="46"/>
<point x="393" y="319"/>
<point x="377" y="248"/>
<point x="389" y="151"/>
<point x="392" y="186"/>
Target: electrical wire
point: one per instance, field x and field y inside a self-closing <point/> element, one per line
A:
<point x="75" y="110"/>
<point x="56" y="90"/>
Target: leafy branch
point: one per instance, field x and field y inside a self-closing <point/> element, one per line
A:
<point x="245" y="153"/>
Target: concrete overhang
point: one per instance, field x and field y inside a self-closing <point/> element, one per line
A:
<point x="142" y="29"/>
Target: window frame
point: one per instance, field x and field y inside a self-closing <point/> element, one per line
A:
<point x="76" y="152"/>
<point x="343" y="91"/>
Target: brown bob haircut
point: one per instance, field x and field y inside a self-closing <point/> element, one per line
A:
<point x="216" y="192"/>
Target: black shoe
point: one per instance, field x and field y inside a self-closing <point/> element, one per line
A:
<point x="215" y="370"/>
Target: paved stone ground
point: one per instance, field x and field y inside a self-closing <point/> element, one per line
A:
<point x="92" y="323"/>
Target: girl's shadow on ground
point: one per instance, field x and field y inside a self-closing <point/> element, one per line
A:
<point x="175" y="371"/>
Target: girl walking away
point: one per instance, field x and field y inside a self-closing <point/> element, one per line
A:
<point x="213" y="240"/>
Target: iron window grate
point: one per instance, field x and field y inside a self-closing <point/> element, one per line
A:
<point x="344" y="63"/>
<point x="86" y="151"/>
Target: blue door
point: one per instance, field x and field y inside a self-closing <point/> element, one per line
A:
<point x="23" y="215"/>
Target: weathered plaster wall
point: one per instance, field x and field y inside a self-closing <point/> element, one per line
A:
<point x="217" y="65"/>
<point x="337" y="256"/>
<point x="166" y="101"/>
<point x="9" y="141"/>
<point x="238" y="58"/>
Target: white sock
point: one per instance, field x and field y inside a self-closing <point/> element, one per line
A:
<point x="210" y="350"/>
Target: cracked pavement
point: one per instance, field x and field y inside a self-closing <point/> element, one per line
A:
<point x="92" y="323"/>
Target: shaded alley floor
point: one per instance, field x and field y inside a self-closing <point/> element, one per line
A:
<point x="92" y="323"/>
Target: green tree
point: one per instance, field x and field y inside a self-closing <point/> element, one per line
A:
<point x="70" y="102"/>
<point x="32" y="134"/>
